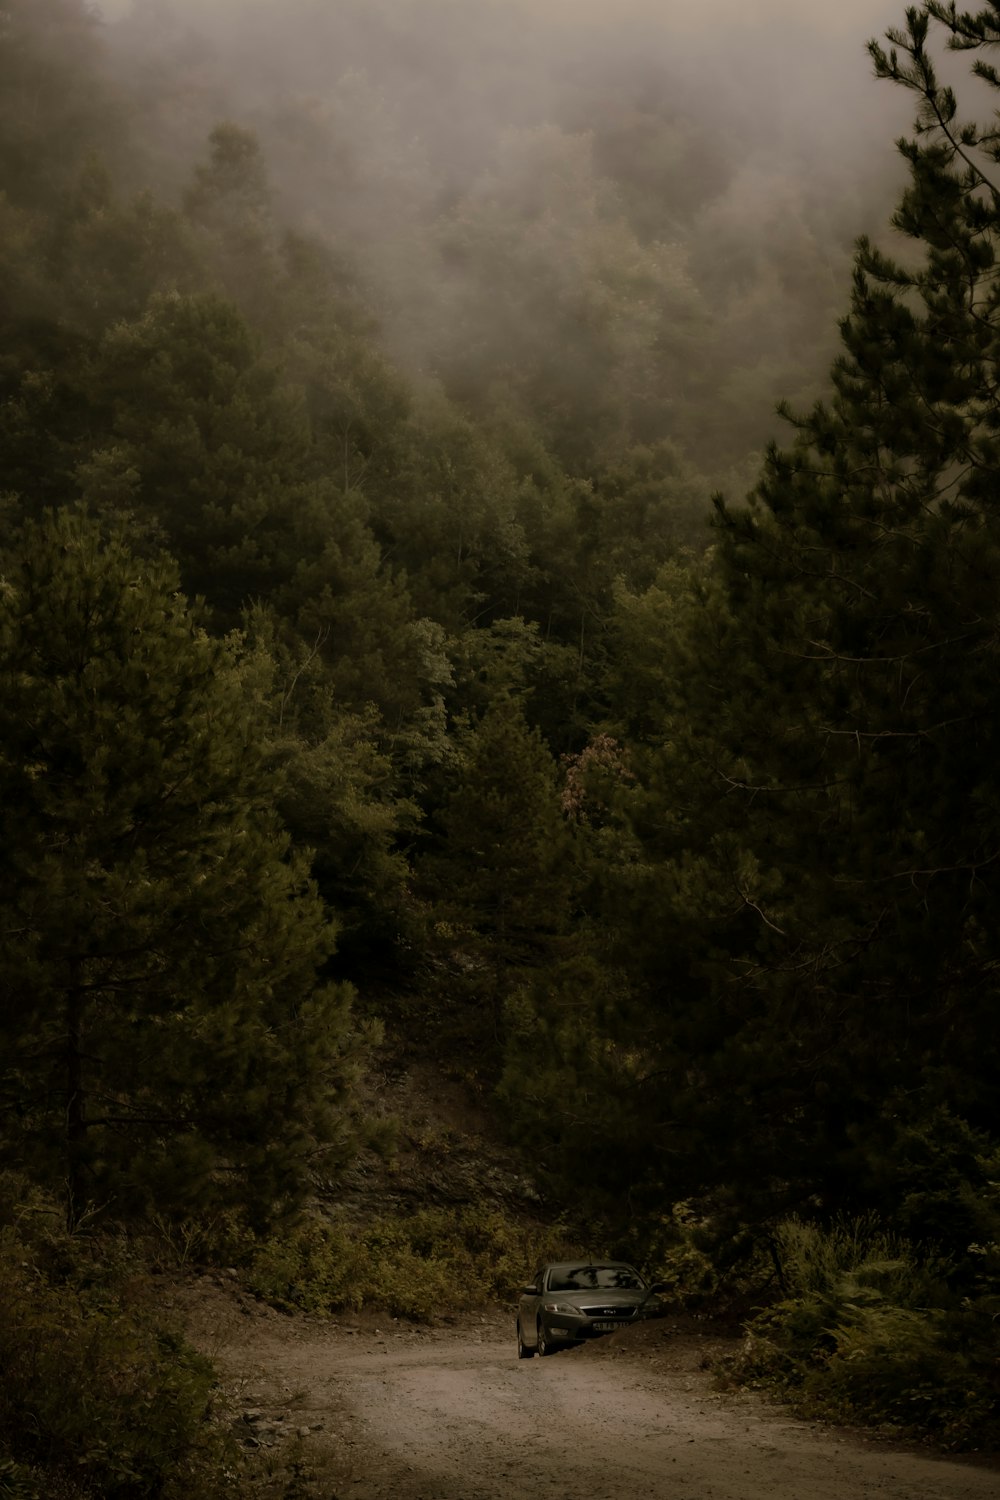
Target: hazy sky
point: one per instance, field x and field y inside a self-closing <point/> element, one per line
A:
<point x="864" y="17"/>
<point x="729" y="151"/>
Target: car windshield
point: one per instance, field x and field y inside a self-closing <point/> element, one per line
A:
<point x="591" y="1278"/>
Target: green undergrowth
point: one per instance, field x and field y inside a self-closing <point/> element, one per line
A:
<point x="432" y="1262"/>
<point x="870" y="1331"/>
<point x="676" y="1250"/>
<point x="99" y="1400"/>
<point x="426" y="1264"/>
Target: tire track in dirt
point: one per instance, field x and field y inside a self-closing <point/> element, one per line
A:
<point x="471" y="1423"/>
<point x="393" y="1413"/>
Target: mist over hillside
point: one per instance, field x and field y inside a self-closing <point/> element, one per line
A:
<point x="554" y="197"/>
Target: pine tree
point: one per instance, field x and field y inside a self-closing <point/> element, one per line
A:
<point x="822" y="806"/>
<point x="501" y="874"/>
<point x="230" y="201"/>
<point x="56" y="103"/>
<point x="165" y="1029"/>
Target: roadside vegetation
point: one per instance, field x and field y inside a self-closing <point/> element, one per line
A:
<point x="97" y="1395"/>
<point x="871" y="1329"/>
<point x="389" y="659"/>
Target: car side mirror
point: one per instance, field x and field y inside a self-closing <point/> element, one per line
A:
<point x="529" y="1291"/>
<point x="659" y="1287"/>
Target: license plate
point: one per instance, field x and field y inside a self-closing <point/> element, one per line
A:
<point x="605" y="1327"/>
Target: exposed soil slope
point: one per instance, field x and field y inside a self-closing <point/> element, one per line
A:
<point x="378" y="1410"/>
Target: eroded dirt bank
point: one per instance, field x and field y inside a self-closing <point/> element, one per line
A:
<point x="382" y="1411"/>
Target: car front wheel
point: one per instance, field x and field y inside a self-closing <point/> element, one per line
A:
<point x="523" y="1352"/>
<point x="544" y="1347"/>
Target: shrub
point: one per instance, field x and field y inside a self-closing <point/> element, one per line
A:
<point x="673" y="1253"/>
<point x="97" y="1399"/>
<point x="871" y="1331"/>
<point x="436" y="1260"/>
<point x="900" y="1367"/>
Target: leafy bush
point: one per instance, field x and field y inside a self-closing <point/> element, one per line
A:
<point x="870" y="1331"/>
<point x="900" y="1367"/>
<point x="434" y="1261"/>
<point x="681" y="1251"/>
<point x="97" y="1399"/>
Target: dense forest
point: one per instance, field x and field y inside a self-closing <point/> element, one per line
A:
<point x="414" y="615"/>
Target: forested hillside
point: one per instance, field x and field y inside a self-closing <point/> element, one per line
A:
<point x="416" y="622"/>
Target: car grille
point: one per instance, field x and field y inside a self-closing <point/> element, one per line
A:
<point x="608" y="1312"/>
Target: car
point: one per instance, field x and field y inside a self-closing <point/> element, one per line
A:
<point x="574" y="1300"/>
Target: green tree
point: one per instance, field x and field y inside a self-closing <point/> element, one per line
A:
<point x="556" y="303"/>
<point x="166" y="1029"/>
<point x="807" y="896"/>
<point x="215" y="439"/>
<point x="500" y="875"/>
<point x="56" y="102"/>
<point x="339" y="793"/>
<point x="229" y="200"/>
<point x="105" y="258"/>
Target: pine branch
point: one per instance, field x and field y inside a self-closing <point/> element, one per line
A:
<point x="873" y="735"/>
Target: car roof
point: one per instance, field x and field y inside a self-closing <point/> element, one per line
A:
<point x="576" y="1265"/>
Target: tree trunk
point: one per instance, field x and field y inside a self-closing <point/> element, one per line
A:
<point x="76" y="1122"/>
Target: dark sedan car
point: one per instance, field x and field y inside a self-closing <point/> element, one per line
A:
<point x="573" y="1300"/>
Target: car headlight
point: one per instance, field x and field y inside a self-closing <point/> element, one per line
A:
<point x="561" y="1307"/>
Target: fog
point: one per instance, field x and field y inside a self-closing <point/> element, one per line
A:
<point x="503" y="172"/>
<point x="849" y="15"/>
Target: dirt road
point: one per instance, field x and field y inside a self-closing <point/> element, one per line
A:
<point x="393" y="1413"/>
